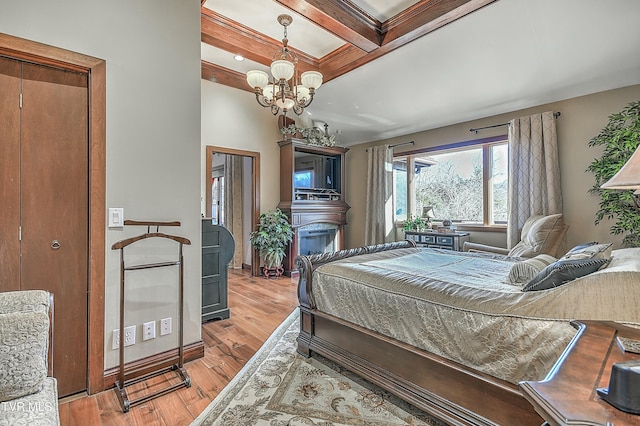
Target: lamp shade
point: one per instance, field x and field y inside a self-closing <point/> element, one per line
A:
<point x="282" y="69"/>
<point x="628" y="177"/>
<point x="427" y="212"/>
<point x="257" y="78"/>
<point x="311" y="79"/>
<point x="287" y="103"/>
<point x="302" y="93"/>
<point x="267" y="92"/>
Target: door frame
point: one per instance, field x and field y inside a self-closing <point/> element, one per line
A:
<point x="27" y="50"/>
<point x="255" y="190"/>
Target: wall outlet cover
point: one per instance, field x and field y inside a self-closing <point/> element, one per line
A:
<point x="149" y="330"/>
<point x="165" y="326"/>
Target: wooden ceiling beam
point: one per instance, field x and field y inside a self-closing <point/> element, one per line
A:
<point x="424" y="17"/>
<point x="342" y="18"/>
<point x="229" y="35"/>
<point x="414" y="22"/>
<point x="222" y="75"/>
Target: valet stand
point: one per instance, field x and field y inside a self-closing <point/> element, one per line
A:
<point x="185" y="380"/>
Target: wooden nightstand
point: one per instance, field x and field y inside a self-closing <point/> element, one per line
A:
<point x="568" y="395"/>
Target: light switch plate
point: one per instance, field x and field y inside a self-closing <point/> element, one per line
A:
<point x="116" y="217"/>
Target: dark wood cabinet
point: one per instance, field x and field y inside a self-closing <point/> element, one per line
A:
<point x="312" y="182"/>
<point x="435" y="239"/>
<point x="218" y="247"/>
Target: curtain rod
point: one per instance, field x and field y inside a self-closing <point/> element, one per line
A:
<point x="475" y="130"/>
<point x="402" y="143"/>
<point x="398" y="144"/>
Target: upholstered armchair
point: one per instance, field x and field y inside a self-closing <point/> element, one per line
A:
<point x="540" y="235"/>
<point x="28" y="392"/>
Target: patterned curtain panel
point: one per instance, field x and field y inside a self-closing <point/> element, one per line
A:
<point x="234" y="206"/>
<point x="534" y="171"/>
<point x="379" y="214"/>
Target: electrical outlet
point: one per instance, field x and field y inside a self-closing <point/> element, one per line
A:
<point x="165" y="326"/>
<point x="149" y="330"/>
<point x="129" y="337"/>
<point x="116" y="339"/>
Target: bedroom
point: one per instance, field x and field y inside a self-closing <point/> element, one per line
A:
<point x="155" y="137"/>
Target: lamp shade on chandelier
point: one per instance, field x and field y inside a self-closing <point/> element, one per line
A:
<point x="286" y="90"/>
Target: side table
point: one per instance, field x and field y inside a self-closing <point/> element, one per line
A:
<point x="568" y="395"/>
<point x="434" y="239"/>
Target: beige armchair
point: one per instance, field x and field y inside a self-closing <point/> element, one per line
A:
<point x="540" y="235"/>
<point x="28" y="392"/>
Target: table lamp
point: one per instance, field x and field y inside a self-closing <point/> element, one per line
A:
<point x="628" y="177"/>
<point x="427" y="215"/>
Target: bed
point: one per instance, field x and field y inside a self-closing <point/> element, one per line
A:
<point x="448" y="331"/>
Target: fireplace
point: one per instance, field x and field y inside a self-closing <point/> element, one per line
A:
<point x="317" y="238"/>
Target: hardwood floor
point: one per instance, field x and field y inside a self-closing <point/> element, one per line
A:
<point x="257" y="306"/>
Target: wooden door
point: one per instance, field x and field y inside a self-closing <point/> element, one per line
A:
<point x="9" y="174"/>
<point x="53" y="182"/>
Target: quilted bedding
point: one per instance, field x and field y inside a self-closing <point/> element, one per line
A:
<point x="461" y="307"/>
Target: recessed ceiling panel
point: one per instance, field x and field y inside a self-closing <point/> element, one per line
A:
<point x="261" y="15"/>
<point x="383" y="10"/>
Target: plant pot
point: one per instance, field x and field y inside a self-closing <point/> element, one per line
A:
<point x="274" y="272"/>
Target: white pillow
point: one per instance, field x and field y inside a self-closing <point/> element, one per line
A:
<point x="522" y="272"/>
<point x="593" y="251"/>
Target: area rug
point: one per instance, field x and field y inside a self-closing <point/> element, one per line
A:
<point x="279" y="387"/>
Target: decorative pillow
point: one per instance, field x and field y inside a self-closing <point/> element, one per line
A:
<point x="563" y="271"/>
<point x="582" y="246"/>
<point x="522" y="272"/>
<point x="540" y="234"/>
<point x="592" y="251"/>
<point x="24" y="342"/>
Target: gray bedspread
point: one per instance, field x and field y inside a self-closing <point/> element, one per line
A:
<point x="460" y="306"/>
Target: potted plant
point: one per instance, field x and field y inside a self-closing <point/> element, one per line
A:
<point x="619" y="138"/>
<point x="271" y="238"/>
<point x="414" y="224"/>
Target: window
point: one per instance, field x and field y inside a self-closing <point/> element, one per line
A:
<point x="466" y="183"/>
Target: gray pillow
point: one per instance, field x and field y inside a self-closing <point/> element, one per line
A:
<point x="24" y="342"/>
<point x="563" y="271"/>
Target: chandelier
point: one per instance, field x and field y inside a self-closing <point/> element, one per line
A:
<point x="286" y="91"/>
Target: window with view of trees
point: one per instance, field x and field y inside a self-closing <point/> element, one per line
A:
<point x="467" y="185"/>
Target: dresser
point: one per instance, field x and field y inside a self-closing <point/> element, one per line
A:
<point x="434" y="239"/>
<point x="218" y="247"/>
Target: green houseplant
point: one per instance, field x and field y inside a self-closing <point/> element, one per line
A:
<point x="414" y="224"/>
<point x="620" y="138"/>
<point x="271" y="238"/>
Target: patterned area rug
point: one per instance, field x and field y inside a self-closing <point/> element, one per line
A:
<point x="279" y="387"/>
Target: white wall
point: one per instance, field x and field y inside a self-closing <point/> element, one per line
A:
<point x="232" y="118"/>
<point x="152" y="52"/>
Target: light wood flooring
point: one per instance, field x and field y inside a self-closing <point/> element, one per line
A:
<point x="257" y="307"/>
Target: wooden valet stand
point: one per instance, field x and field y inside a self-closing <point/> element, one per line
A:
<point x="185" y="381"/>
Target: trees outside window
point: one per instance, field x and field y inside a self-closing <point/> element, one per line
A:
<point x="467" y="185"/>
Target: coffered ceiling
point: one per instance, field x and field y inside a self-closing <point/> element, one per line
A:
<point x="396" y="67"/>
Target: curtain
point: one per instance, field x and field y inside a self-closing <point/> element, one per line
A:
<point x="379" y="213"/>
<point x="534" y="171"/>
<point x="233" y="205"/>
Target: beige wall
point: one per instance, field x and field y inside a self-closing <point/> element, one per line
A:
<point x="232" y="118"/>
<point x="582" y="118"/>
<point x="152" y="52"/>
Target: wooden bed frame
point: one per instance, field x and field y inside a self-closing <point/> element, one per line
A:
<point x="445" y="389"/>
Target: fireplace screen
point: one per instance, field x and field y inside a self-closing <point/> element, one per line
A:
<point x="317" y="238"/>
